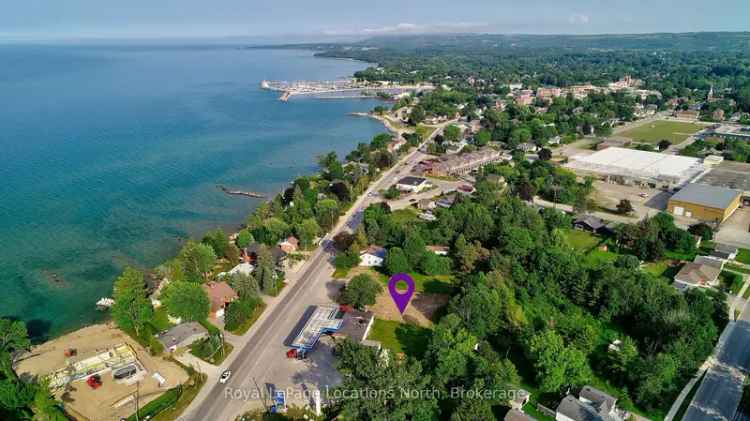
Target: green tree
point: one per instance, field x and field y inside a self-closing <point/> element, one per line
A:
<point x="307" y="231"/>
<point x="327" y="213"/>
<point x="624" y="207"/>
<point x="415" y="249"/>
<point x="244" y="238"/>
<point x="13" y="338"/>
<point x="367" y="371"/>
<point x="450" y="349"/>
<point x="557" y="366"/>
<point x="132" y="308"/>
<point x="452" y="133"/>
<point x="239" y="311"/>
<point x="218" y="241"/>
<point x="196" y="260"/>
<point x="265" y="271"/>
<point x="186" y="300"/>
<point x="347" y="259"/>
<point x="417" y="115"/>
<point x="396" y="261"/>
<point x="244" y="284"/>
<point x="361" y="291"/>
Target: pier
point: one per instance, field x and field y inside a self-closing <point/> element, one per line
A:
<point x="242" y="193"/>
<point x="333" y="89"/>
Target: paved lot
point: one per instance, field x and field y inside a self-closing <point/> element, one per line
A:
<point x="734" y="230"/>
<point x="720" y="392"/>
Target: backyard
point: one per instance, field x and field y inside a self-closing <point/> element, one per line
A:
<point x="674" y="131"/>
<point x="409" y="339"/>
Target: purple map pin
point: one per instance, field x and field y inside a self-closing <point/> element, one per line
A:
<point x="401" y="300"/>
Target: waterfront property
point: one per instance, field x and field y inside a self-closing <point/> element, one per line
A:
<point x="704" y="202"/>
<point x="182" y="335"/>
<point x="219" y="294"/>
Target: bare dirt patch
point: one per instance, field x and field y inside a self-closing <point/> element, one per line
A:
<point x="111" y="400"/>
<point x="421" y="309"/>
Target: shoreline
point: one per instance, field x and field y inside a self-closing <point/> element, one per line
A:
<point x="231" y="228"/>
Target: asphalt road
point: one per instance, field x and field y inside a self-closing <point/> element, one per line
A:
<point x="720" y="392"/>
<point x="261" y="363"/>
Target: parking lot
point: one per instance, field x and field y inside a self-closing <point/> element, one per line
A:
<point x="645" y="201"/>
<point x="736" y="229"/>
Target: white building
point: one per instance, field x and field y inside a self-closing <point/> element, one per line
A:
<point x="412" y="184"/>
<point x="373" y="256"/>
<point x="631" y="166"/>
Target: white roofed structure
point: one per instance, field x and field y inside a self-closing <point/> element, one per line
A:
<point x="628" y="165"/>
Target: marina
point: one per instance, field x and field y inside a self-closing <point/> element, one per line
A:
<point x="341" y="89"/>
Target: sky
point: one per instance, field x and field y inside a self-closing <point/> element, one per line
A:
<point x="298" y="20"/>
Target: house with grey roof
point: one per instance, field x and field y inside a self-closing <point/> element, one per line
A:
<point x="725" y="251"/>
<point x="518" y="415"/>
<point x="591" y="405"/>
<point x="182" y="335"/>
<point x="697" y="275"/>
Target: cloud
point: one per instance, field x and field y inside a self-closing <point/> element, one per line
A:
<point x="579" y="19"/>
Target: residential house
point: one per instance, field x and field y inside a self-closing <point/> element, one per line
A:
<point x="426" y="204"/>
<point x="588" y="223"/>
<point x="250" y="254"/>
<point x="528" y="147"/>
<point x="396" y="144"/>
<point x="439" y="250"/>
<point x="446" y="201"/>
<point x="548" y="93"/>
<point x="219" y="294"/>
<point x="182" y="335"/>
<point x="710" y="261"/>
<point x="697" y="275"/>
<point x="412" y="184"/>
<point x="427" y="216"/>
<point x="243" y="268"/>
<point x="289" y="244"/>
<point x="725" y="251"/>
<point x="592" y="405"/>
<point x="373" y="256"/>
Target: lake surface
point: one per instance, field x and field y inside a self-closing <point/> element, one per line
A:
<point x="110" y="156"/>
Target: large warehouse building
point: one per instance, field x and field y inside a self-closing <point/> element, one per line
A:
<point x="704" y="202"/>
<point x="631" y="166"/>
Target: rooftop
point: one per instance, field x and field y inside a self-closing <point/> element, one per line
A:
<point x="374" y="250"/>
<point x="698" y="274"/>
<point x="638" y="164"/>
<point x="705" y="195"/>
<point x="412" y="181"/>
<point x="322" y="320"/>
<point x="356" y="324"/>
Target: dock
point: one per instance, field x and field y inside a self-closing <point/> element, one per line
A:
<point x="242" y="193"/>
<point x="333" y="89"/>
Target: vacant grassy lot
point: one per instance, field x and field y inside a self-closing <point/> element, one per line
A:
<point x="674" y="131"/>
<point x="744" y="256"/>
<point x="400" y="337"/>
<point x="582" y="240"/>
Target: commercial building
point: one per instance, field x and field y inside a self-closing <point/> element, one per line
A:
<point x="336" y="321"/>
<point x="704" y="202"/>
<point x="631" y="166"/>
<point x="412" y="184"/>
<point x="466" y="163"/>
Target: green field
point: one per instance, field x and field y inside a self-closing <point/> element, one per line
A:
<point x="398" y="337"/>
<point x="581" y="240"/>
<point x="652" y="133"/>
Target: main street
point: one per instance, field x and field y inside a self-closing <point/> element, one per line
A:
<point x="260" y="362"/>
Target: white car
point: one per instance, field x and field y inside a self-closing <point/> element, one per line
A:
<point x="225" y="376"/>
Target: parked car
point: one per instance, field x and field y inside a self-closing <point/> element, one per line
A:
<point x="225" y="376"/>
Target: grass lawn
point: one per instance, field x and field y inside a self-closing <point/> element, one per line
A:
<point x="430" y="284"/>
<point x="424" y="131"/>
<point x="744" y="256"/>
<point x="405" y="216"/>
<point x="731" y="282"/>
<point x="205" y="351"/>
<point x="401" y="338"/>
<point x="341" y="273"/>
<point x="737" y="268"/>
<point x="674" y="131"/>
<point x="598" y="257"/>
<point x="656" y="268"/>
<point x="244" y="327"/>
<point x="581" y="240"/>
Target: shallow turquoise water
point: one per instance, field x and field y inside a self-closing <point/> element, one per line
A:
<point x="109" y="155"/>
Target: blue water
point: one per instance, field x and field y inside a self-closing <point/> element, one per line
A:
<point x="110" y="155"/>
